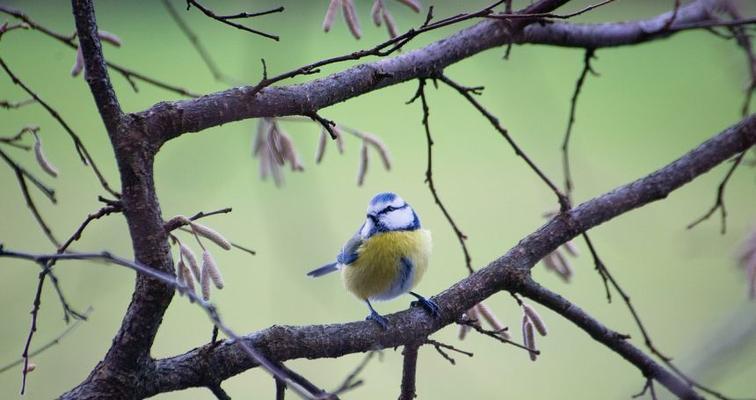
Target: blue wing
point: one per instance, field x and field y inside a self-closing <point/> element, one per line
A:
<point x="348" y="253"/>
<point x="347" y="256"/>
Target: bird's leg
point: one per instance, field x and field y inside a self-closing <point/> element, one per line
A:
<point x="374" y="316"/>
<point x="428" y="305"/>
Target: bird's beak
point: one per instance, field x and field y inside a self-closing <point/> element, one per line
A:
<point x="372" y="218"/>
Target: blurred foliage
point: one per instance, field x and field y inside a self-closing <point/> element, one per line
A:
<point x="651" y="104"/>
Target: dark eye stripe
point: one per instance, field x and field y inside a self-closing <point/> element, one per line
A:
<point x="391" y="208"/>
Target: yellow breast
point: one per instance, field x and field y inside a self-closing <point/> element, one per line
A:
<point x="378" y="273"/>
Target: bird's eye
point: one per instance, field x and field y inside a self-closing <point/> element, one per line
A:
<point x="389" y="208"/>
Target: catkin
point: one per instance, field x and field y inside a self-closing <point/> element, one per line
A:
<point x="393" y="31"/>
<point x="180" y="267"/>
<point x="330" y="15"/>
<point x="109" y="37"/>
<point x="413" y="4"/>
<point x="43" y="162"/>
<point x="350" y="16"/>
<point x="78" y="63"/>
<point x="339" y="139"/>
<point x="187" y="274"/>
<point x="191" y="259"/>
<point x="211" y="234"/>
<point x="535" y="318"/>
<point x="363" y="167"/>
<point x="380" y="148"/>
<point x="320" y="151"/>
<point x="375" y="12"/>
<point x="208" y="263"/>
<point x="490" y="317"/>
<point x="528" y="337"/>
<point x="205" y="283"/>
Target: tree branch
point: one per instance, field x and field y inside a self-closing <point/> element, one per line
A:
<point x="409" y="371"/>
<point x="168" y="120"/>
<point x="509" y="272"/>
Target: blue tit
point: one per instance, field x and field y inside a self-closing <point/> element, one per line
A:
<point x="387" y="256"/>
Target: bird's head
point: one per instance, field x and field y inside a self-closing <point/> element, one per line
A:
<point x="388" y="212"/>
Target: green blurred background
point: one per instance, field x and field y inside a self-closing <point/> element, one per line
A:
<point x="651" y="104"/>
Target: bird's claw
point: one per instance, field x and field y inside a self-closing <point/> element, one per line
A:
<point x="428" y="305"/>
<point x="378" y="318"/>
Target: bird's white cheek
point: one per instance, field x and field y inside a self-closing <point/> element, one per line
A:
<point x="398" y="219"/>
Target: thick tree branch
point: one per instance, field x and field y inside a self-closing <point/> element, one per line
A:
<point x="167" y="120"/>
<point x="509" y="272"/>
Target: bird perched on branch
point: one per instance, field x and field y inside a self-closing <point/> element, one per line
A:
<point x="386" y="258"/>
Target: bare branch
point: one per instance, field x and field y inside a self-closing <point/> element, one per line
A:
<point x="509" y="272"/>
<point x="719" y="203"/>
<point x="86" y="158"/>
<point x="226" y="19"/>
<point x="409" y="372"/>
<point x="568" y="185"/>
<point x="461" y="237"/>
<point x="69" y="40"/>
<point x="564" y="201"/>
<point x="196" y="43"/>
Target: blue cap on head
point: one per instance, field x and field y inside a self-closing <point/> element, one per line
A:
<point x="385" y="197"/>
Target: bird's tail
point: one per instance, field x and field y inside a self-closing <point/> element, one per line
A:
<point x="326" y="269"/>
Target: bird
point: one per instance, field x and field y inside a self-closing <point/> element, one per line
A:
<point x="386" y="258"/>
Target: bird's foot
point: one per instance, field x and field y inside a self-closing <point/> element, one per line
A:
<point x="378" y="318"/>
<point x="427" y="304"/>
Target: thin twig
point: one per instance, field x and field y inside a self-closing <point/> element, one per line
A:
<point x="69" y="40"/>
<point x="352" y="381"/>
<point x="84" y="155"/>
<point x="170" y="280"/>
<point x="70" y="328"/>
<point x="496" y="335"/>
<point x="642" y="328"/>
<point x="719" y="203"/>
<point x="548" y="15"/>
<point x="15" y="104"/>
<point x="218" y="392"/>
<point x="461" y="237"/>
<point x="467" y="93"/>
<point x="568" y="184"/>
<point x="225" y="19"/>
<point x="382" y="49"/>
<point x="440" y="349"/>
<point x="647" y="387"/>
<point x="47" y="270"/>
<point x="197" y="44"/>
